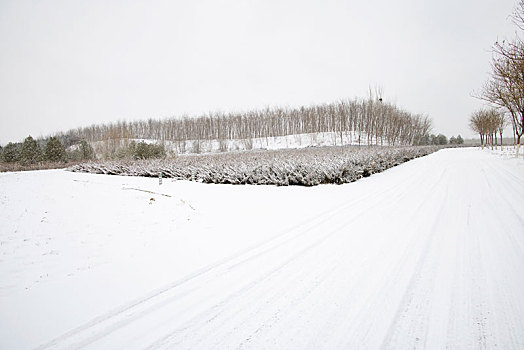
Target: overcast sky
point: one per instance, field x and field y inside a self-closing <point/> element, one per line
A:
<point x="65" y="64"/>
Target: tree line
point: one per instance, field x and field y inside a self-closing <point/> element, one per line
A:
<point x="31" y="151"/>
<point x="488" y="123"/>
<point x="504" y="89"/>
<point x="371" y="120"/>
<point x="441" y="140"/>
<point x="364" y="121"/>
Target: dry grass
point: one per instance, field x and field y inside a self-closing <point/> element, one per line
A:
<point x="5" y="167"/>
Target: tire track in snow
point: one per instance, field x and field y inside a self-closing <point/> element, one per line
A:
<point x="416" y="296"/>
<point x="310" y="285"/>
<point x="504" y="326"/>
<point x="165" y="344"/>
<point x="208" y="315"/>
<point x="378" y="302"/>
<point x="108" y="323"/>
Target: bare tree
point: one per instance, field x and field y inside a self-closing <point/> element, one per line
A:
<point x="487" y="123"/>
<point x="505" y="87"/>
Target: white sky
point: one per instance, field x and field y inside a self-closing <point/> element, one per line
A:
<point x="65" y="64"/>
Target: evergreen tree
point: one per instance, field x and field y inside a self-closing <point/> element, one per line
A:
<point x="456" y="140"/>
<point x="157" y="151"/>
<point x="31" y="152"/>
<point x="54" y="150"/>
<point x="143" y="150"/>
<point x="86" y="151"/>
<point x="11" y="152"/>
<point x="423" y="140"/>
<point x="442" y="139"/>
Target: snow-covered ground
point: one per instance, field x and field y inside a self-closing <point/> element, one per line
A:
<point x="429" y="254"/>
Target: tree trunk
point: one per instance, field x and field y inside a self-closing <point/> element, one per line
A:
<point x="518" y="145"/>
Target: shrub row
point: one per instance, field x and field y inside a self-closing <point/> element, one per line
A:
<point x="306" y="167"/>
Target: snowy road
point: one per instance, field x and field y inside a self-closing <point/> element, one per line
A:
<point x="429" y="254"/>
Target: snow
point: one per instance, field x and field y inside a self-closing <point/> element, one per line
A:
<point x="428" y="254"/>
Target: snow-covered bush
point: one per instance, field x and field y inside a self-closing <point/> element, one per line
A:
<point x="306" y="167"/>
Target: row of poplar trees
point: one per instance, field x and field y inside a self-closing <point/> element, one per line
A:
<point x="371" y="120"/>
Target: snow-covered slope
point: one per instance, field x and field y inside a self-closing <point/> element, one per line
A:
<point x="429" y="254"/>
<point x="320" y="139"/>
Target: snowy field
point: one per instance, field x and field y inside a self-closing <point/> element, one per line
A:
<point x="428" y="254"/>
